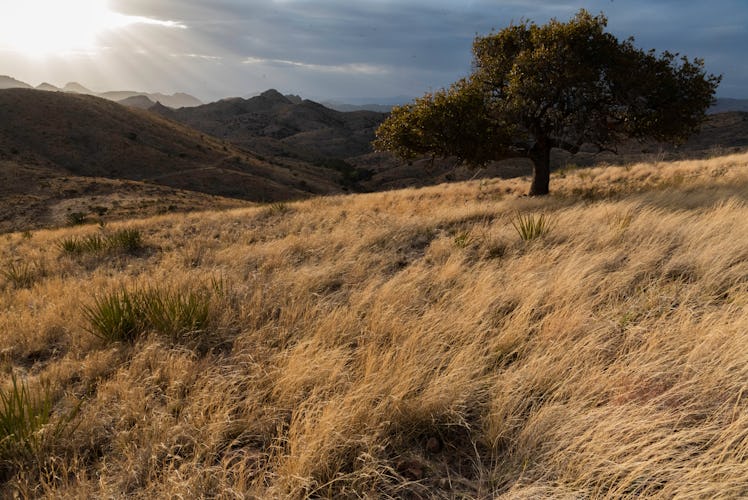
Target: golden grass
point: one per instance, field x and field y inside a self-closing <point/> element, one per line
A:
<point x="409" y="344"/>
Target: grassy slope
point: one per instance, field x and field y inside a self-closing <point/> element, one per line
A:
<point x="34" y="197"/>
<point x="81" y="135"/>
<point x="409" y="343"/>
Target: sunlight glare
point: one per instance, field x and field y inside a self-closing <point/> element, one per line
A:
<point x="54" y="27"/>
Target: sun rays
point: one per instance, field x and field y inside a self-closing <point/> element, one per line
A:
<point x="37" y="28"/>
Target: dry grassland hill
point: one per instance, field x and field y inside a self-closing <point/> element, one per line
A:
<point x="456" y="341"/>
<point x="55" y="136"/>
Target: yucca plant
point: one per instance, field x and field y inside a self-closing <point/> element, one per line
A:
<point x="22" y="415"/>
<point x="20" y="275"/>
<point x="531" y="226"/>
<point x="126" y="240"/>
<point x="93" y="243"/>
<point x="462" y="240"/>
<point x="115" y="317"/>
<point x="278" y="207"/>
<point x="174" y="312"/>
<point x="70" y="245"/>
<point x="123" y="316"/>
<point x="123" y="240"/>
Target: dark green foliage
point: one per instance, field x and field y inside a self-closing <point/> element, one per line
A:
<point x="175" y="313"/>
<point x="123" y="316"/>
<point x="115" y="317"/>
<point x="20" y="274"/>
<point x="125" y="240"/>
<point x="445" y="123"/>
<point x="22" y="414"/>
<point x="557" y="85"/>
<point x="530" y="227"/>
<point x="122" y="240"/>
<point x="278" y="208"/>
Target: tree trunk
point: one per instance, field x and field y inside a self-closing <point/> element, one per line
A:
<point x="541" y="159"/>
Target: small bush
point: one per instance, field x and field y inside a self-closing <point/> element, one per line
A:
<point x="114" y="317"/>
<point x="123" y="316"/>
<point x="126" y="240"/>
<point x="530" y="227"/>
<point x="278" y="208"/>
<point x="123" y="240"/>
<point x="22" y="415"/>
<point x="20" y="275"/>
<point x="462" y="240"/>
<point x="175" y="313"/>
<point x="93" y="243"/>
<point x="75" y="218"/>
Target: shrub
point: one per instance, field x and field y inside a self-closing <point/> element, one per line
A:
<point x="75" y="218"/>
<point x="462" y="240"/>
<point x="114" y="317"/>
<point x="20" y="275"/>
<point x="123" y="240"/>
<point x="22" y="414"/>
<point x="123" y="316"/>
<point x="278" y="208"/>
<point x="175" y="313"/>
<point x="530" y="227"/>
<point x="126" y="240"/>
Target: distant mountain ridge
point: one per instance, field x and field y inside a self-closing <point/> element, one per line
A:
<point x="275" y="124"/>
<point x="176" y="100"/>
<point x="8" y="82"/>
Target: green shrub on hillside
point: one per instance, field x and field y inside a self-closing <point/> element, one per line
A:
<point x="114" y="317"/>
<point x="123" y="240"/>
<point x="23" y="413"/>
<point x="530" y="227"/>
<point x="21" y="274"/>
<point x="124" y="316"/>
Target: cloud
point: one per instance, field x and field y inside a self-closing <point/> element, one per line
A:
<point x="378" y="48"/>
<point x="204" y="57"/>
<point x="356" y="68"/>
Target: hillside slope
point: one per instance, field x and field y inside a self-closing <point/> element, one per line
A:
<point x="406" y="344"/>
<point x="275" y="124"/>
<point x="80" y="135"/>
<point x="34" y="197"/>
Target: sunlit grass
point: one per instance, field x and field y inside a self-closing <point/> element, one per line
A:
<point x="403" y="344"/>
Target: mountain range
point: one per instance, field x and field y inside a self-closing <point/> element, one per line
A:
<point x="176" y="100"/>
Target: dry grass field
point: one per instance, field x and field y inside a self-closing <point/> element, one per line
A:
<point x="408" y="344"/>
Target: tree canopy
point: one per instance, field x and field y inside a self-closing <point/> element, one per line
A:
<point x="562" y="84"/>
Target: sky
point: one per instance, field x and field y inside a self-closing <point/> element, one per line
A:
<point x="351" y="51"/>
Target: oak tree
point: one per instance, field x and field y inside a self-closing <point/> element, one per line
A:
<point x="558" y="85"/>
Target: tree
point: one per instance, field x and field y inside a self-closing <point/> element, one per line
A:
<point x="558" y="85"/>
